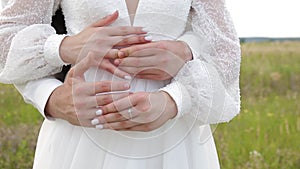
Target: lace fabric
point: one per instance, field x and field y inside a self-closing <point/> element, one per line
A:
<point x="24" y="29"/>
<point x="214" y="73"/>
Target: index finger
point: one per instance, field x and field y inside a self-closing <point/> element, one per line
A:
<point x="125" y="52"/>
<point x="125" y="30"/>
<point x="119" y="105"/>
<point x="94" y="88"/>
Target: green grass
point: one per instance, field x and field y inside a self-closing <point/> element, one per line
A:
<point x="19" y="125"/>
<point x="266" y="134"/>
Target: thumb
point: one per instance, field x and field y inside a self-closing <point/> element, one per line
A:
<point x="107" y="20"/>
<point x="81" y="67"/>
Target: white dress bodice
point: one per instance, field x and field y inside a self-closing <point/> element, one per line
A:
<point x="162" y="18"/>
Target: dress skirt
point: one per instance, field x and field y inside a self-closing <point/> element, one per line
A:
<point x="180" y="143"/>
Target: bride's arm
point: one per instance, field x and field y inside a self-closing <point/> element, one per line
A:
<point x="207" y="87"/>
<point x="29" y="45"/>
<point x="32" y="49"/>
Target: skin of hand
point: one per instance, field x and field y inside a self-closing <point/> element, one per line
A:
<point x="103" y="41"/>
<point x="159" y="60"/>
<point x="77" y="101"/>
<point x="150" y="110"/>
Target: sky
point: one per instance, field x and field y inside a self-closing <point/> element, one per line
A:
<point x="265" y="18"/>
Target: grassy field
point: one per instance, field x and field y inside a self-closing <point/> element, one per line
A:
<point x="266" y="134"/>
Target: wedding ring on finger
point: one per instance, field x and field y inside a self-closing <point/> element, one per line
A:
<point x="130" y="113"/>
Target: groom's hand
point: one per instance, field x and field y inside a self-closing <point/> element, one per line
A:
<point x="103" y="40"/>
<point x="159" y="60"/>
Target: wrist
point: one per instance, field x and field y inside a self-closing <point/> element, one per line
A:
<point x="188" y="54"/>
<point x="171" y="105"/>
<point x="50" y="110"/>
<point x="65" y="50"/>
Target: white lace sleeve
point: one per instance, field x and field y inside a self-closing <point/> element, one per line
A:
<point x="208" y="86"/>
<point x="29" y="45"/>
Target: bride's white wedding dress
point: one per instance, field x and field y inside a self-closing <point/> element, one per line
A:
<point x="205" y="90"/>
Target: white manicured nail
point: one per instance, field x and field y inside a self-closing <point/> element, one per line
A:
<point x="95" y="121"/>
<point x="127" y="77"/>
<point x="99" y="112"/>
<point x="100" y="126"/>
<point x="149" y="38"/>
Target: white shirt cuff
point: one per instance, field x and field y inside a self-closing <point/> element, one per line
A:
<point x="38" y="92"/>
<point x="196" y="43"/>
<point x="51" y="50"/>
<point x="181" y="97"/>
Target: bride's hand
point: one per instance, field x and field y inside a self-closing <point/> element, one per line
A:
<point x="142" y="111"/>
<point x="101" y="39"/>
<point x="77" y="101"/>
<point x="157" y="60"/>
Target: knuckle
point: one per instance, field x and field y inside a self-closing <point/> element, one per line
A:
<point x="79" y="104"/>
<point x="142" y="96"/>
<point x="102" y="119"/>
<point x="164" y="60"/>
<point x="78" y="90"/>
<point x="105" y="86"/>
<point x="123" y="124"/>
<point x="145" y="108"/>
<point x="125" y="41"/>
<point x="106" y="99"/>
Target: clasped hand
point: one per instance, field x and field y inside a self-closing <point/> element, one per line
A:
<point x="81" y="103"/>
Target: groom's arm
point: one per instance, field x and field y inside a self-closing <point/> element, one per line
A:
<point x="38" y="92"/>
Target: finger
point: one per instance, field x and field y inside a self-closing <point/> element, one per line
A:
<point x="109" y="98"/>
<point x="85" y="116"/>
<point x="153" y="77"/>
<point x="125" y="30"/>
<point x="132" y="49"/>
<point x="151" y="71"/>
<point x="116" y="117"/>
<point x="120" y="105"/>
<point x="134" y="40"/>
<point x="96" y="101"/>
<point x="131" y="70"/>
<point x="112" y="54"/>
<point x="107" y="20"/>
<point x="120" y="125"/>
<point x="83" y="123"/>
<point x="94" y="88"/>
<point x="108" y="66"/>
<point x="108" y="118"/>
<point x="145" y="59"/>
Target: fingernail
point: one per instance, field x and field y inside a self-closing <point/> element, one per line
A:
<point x="121" y="54"/>
<point x="127" y="77"/>
<point x="126" y="85"/>
<point x="95" y="121"/>
<point x="145" y="30"/>
<point x="148" y="38"/>
<point x="117" y="62"/>
<point x="100" y="126"/>
<point x="99" y="112"/>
